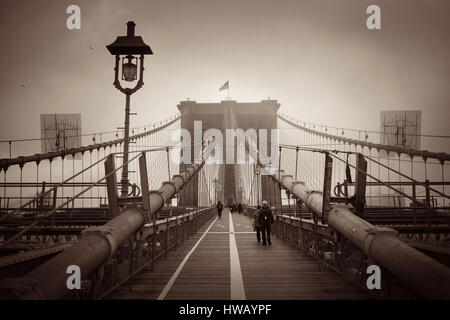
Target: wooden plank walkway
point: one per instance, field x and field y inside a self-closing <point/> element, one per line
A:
<point x="218" y="264"/>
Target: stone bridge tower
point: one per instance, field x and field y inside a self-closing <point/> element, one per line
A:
<point x="228" y="114"/>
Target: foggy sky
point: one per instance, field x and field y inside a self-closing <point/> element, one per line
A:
<point x="317" y="58"/>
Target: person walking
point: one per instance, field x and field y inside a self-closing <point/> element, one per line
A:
<point x="265" y="221"/>
<point x="256" y="225"/>
<point x="219" y="209"/>
<point x="239" y="208"/>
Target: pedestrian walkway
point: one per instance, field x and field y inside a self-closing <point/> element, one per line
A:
<point x="224" y="261"/>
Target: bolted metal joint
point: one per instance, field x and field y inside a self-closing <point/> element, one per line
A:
<point x="179" y="177"/>
<point x="107" y="233"/>
<point x="171" y="183"/>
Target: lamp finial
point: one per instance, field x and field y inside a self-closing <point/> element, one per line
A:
<point x="130" y="28"/>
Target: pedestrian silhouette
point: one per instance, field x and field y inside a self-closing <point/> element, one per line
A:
<point x="219" y="209"/>
<point x="256" y="224"/>
<point x="265" y="221"/>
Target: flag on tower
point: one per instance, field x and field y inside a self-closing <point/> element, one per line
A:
<point x="225" y="86"/>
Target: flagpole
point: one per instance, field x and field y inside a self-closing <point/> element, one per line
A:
<point x="229" y="98"/>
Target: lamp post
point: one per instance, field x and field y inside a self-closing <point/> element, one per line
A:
<point x="125" y="48"/>
<point x="257" y="172"/>
<point x="216" y="188"/>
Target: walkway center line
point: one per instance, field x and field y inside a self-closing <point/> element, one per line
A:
<point x="253" y="232"/>
<point x="237" y="284"/>
<point x="174" y="277"/>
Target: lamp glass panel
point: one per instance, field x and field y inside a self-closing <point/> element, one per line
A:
<point x="129" y="71"/>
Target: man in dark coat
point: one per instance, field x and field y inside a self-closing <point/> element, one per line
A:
<point x="219" y="209"/>
<point x="265" y="221"/>
<point x="256" y="225"/>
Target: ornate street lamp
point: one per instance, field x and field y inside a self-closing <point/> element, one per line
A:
<point x="125" y="48"/>
<point x="257" y="172"/>
<point x="216" y="188"/>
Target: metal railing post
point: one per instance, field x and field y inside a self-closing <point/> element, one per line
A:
<point x="327" y="187"/>
<point x="111" y="186"/>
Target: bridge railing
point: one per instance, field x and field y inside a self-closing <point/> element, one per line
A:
<point x="138" y="252"/>
<point x="334" y="251"/>
<point x="132" y="218"/>
<point x="424" y="276"/>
